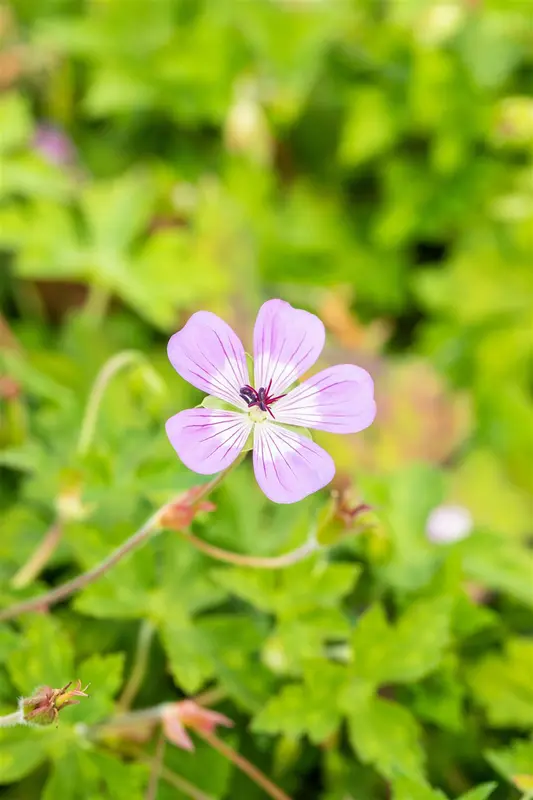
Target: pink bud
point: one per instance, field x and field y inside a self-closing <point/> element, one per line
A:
<point x="43" y="707"/>
<point x="181" y="513"/>
<point x="188" y="714"/>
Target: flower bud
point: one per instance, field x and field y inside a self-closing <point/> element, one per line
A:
<point x="343" y="516"/>
<point x="54" y="145"/>
<point x="181" y="512"/>
<point x="43" y="707"/>
<point x="69" y="505"/>
<point x="188" y="714"/>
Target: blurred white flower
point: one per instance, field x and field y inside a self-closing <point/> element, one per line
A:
<point x="448" y="524"/>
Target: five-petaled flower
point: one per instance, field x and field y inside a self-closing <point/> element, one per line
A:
<point x="287" y="342"/>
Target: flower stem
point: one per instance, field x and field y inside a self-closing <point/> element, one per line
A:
<point x="244" y="765"/>
<point x="139" y="538"/>
<point x="40" y="556"/>
<point x="140" y="663"/>
<point x="186" y="788"/>
<point x="71" y="587"/>
<point x="157" y="765"/>
<point x="16" y="718"/>
<point x="211" y="696"/>
<point x="108" y="371"/>
<point x="257" y="562"/>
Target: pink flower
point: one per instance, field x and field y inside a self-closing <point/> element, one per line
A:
<point x="287" y="341"/>
<point x="177" y="717"/>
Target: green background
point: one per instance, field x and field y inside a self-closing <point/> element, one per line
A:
<point x="370" y="162"/>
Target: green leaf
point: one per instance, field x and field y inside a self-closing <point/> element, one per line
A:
<point x="20" y="753"/>
<point x="233" y="643"/>
<point x="81" y="774"/>
<point x="298" y="639"/>
<point x="440" y="700"/>
<point x="480" y="792"/>
<point x="9" y="642"/>
<point x="369" y="646"/>
<point x="503" y="566"/>
<point x="117" y="211"/>
<point x="502" y="685"/>
<point x="406" y="652"/>
<point x="15" y="121"/>
<point x="513" y="761"/>
<point x="386" y="735"/>
<point x="414" y="492"/>
<point x="313" y="583"/>
<point x="44" y="657"/>
<point x="103" y="673"/>
<point x="406" y="788"/>
<point x="308" y="708"/>
<point x="370" y="128"/>
<point x="190" y="662"/>
<point x="419" y="640"/>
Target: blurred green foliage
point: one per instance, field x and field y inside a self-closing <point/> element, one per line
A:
<point x="370" y="160"/>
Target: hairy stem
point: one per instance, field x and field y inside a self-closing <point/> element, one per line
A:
<point x="139" y="538"/>
<point x="40" y="556"/>
<point x="140" y="663"/>
<point x="16" y="718"/>
<point x="244" y="765"/>
<point x="44" y="601"/>
<point x="256" y="562"/>
<point x="108" y="371"/>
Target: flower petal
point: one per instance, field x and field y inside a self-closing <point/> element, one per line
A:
<point x="206" y="440"/>
<point x="176" y="733"/>
<point x="339" y="400"/>
<point x="287" y="341"/>
<point x="287" y="466"/>
<point x="207" y="353"/>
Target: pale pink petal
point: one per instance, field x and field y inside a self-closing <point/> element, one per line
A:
<point x="339" y="400"/>
<point x="207" y="440"/>
<point x="207" y="353"/>
<point x="176" y="733"/>
<point x="287" y="342"/>
<point x="288" y="466"/>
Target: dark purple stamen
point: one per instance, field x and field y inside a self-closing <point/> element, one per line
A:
<point x="259" y="398"/>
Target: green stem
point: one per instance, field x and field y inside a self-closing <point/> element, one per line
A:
<point x="108" y="371"/>
<point x="255" y="774"/>
<point x="140" y="663"/>
<point x="186" y="788"/>
<point x="211" y="697"/>
<point x="40" y="557"/>
<point x="157" y="766"/>
<point x="139" y="538"/>
<point x="257" y="562"/>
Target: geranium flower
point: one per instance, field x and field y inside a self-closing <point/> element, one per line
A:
<point x="287" y="341"/>
<point x="177" y="717"/>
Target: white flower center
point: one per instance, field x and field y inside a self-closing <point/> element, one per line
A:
<point x="256" y="415"/>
